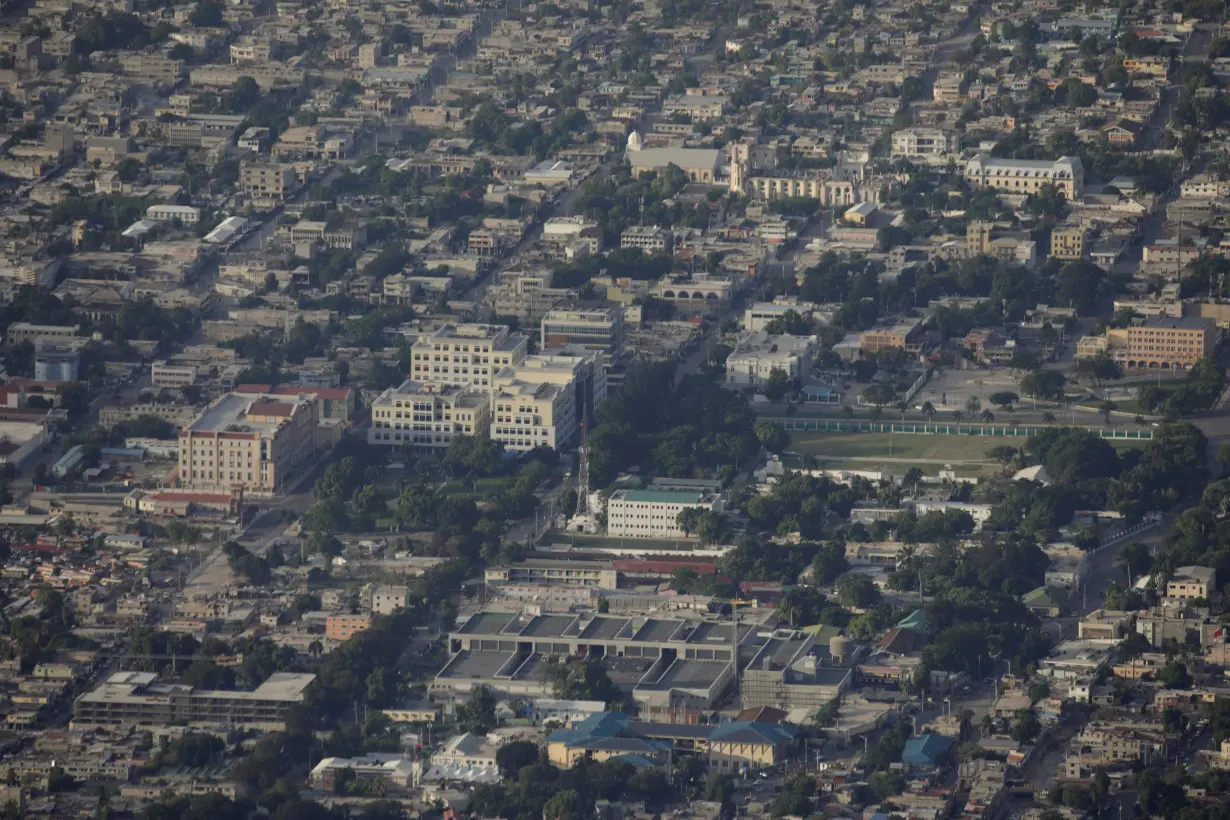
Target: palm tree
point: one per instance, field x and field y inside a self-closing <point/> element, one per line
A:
<point x="875" y="414"/>
<point x="988" y="416"/>
<point x="928" y="410"/>
<point x="847" y="412"/>
<point x="902" y="406"/>
<point x="315" y="649"/>
<point x="973" y="404"/>
<point x="1048" y="417"/>
<point x="957" y="416"/>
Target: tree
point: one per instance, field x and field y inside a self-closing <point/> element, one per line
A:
<point x="857" y="590"/>
<point x="1174" y="675"/>
<point x="514" y="756"/>
<point x="928" y="411"/>
<point x="565" y="805"/>
<point x="1025" y="726"/>
<point x="477" y="715"/>
<point x="206" y="14"/>
<point x="1004" y="399"/>
<point x="711" y="527"/>
<point x="973" y="405"/>
<point x="687" y="519"/>
<point x="1044" y="384"/>
<point x="771" y="436"/>
<point x="776" y="385"/>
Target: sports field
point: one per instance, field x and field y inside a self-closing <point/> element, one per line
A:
<point x="907" y="447"/>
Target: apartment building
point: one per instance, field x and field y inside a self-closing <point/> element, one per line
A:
<point x="539" y="571"/>
<point x="1169" y="344"/>
<point x="427" y="415"/>
<point x="260" y="443"/>
<point x="906" y="335"/>
<point x="654" y="513"/>
<point x="1069" y="242"/>
<point x="1025" y="176"/>
<point x="163" y="374"/>
<point x="27" y="332"/>
<point x="600" y="329"/>
<point x="267" y="181"/>
<point x="923" y="144"/>
<point x="137" y="699"/>
<point x="466" y="354"/>
<point x="650" y="239"/>
<point x="389" y="598"/>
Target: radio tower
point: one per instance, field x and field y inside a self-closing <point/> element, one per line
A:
<point x="583" y="520"/>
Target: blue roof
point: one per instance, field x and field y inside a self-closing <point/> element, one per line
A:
<point x="747" y="731"/>
<point x="925" y="750"/>
<point x="598" y="726"/>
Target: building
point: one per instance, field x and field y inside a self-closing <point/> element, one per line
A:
<point x="785" y="673"/>
<point x="1069" y="242"/>
<point x="388" y="598"/>
<point x="1191" y="582"/>
<point x="259" y="444"/>
<point x="599" y="574"/>
<point x="907" y="334"/>
<point x="582" y="373"/>
<point x="758" y="354"/>
<point x="654" y="513"/>
<point x="26" y="332"/>
<point x="426" y="415"/>
<point x="700" y="164"/>
<point x="529" y="414"/>
<point x="395" y="770"/>
<point x="137" y="699"/>
<point x="1169" y="344"/>
<point x="649" y="238"/>
<point x="563" y="232"/>
<point x="163" y="374"/>
<point x="267" y="181"/>
<point x="56" y="365"/>
<point x="925" y="144"/>
<point x="343" y="626"/>
<point x="466" y="354"/>
<point x="600" y="329"/>
<point x="185" y="214"/>
<point x="1021" y="176"/>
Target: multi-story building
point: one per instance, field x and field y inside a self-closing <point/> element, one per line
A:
<point x="177" y="415"/>
<point x="525" y="415"/>
<point x="581" y="373"/>
<point x="1191" y="582"/>
<point x="654" y="513"/>
<point x="389" y="598"/>
<point x="342" y="626"/>
<point x="466" y="354"/>
<point x="1027" y="176"/>
<point x="650" y="239"/>
<point x="528" y="295"/>
<point x="599" y="574"/>
<point x="267" y="181"/>
<point x="927" y="144"/>
<point x="564" y="232"/>
<point x="137" y="699"/>
<point x="258" y="443"/>
<point x="1069" y="242"/>
<point x="906" y="335"/>
<point x="186" y="214"/>
<point x="1169" y="344"/>
<point x="758" y="354"/>
<point x="426" y="415"/>
<point x="599" y="329"/>
<point x="27" y="332"/>
<point x="163" y="374"/>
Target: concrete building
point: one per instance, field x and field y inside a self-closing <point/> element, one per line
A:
<point x="27" y="332"/>
<point x="649" y="238"/>
<point x="529" y="414"/>
<point x="1191" y="582"/>
<point x="466" y="354"/>
<point x="267" y="181"/>
<point x="260" y="444"/>
<point x="388" y="598"/>
<point x="924" y="144"/>
<point x="907" y="334"/>
<point x="583" y="373"/>
<point x="1069" y="242"/>
<point x="163" y="374"/>
<point x="342" y="626"/>
<point x="1027" y="176"/>
<point x="700" y="164"/>
<point x="1169" y="344"/>
<point x="758" y="354"/>
<point x="597" y="574"/>
<point x="56" y="365"/>
<point x="426" y="415"/>
<point x="564" y="232"/>
<point x="654" y="513"/>
<point x="600" y="329"/>
<point x="185" y="214"/>
<point x="136" y="699"/>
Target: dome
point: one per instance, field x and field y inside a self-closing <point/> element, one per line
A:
<point x="635" y="143"/>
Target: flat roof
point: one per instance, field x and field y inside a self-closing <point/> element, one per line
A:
<point x="231" y="411"/>
<point x="687" y="674"/>
<point x="475" y="665"/>
<point x="660" y="496"/>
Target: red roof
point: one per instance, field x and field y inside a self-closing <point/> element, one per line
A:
<point x="664" y="566"/>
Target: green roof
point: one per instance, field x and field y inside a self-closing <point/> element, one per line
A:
<point x="916" y="621"/>
<point x="1053" y="596"/>
<point x="663" y="496"/>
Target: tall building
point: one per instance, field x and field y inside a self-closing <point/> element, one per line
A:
<point x="137" y="699"/>
<point x="1068" y="242"/>
<point x="466" y="354"/>
<point x="1027" y="176"/>
<point x="425" y="415"/>
<point x="923" y="143"/>
<point x="598" y="329"/>
<point x="581" y="372"/>
<point x="1170" y="344"/>
<point x="266" y="180"/>
<point x="259" y="443"/>
<point x="529" y="414"/>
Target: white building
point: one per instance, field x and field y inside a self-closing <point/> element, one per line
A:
<point x="648" y="238"/>
<point x="760" y="315"/>
<point x="172" y="375"/>
<point x="1027" y="176"/>
<point x="654" y="513"/>
<point x="581" y="373"/>
<point x="925" y="144"/>
<point x="186" y="214"/>
<point x="533" y="414"/>
<point x="466" y="354"/>
<point x="758" y="354"/>
<point x="424" y="415"/>
<point x="599" y="329"/>
<point x="570" y="231"/>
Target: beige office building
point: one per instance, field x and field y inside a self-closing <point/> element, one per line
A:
<point x="529" y="414"/>
<point x="267" y="180"/>
<point x="424" y="415"/>
<point x="262" y="444"/>
<point x="466" y="354"/>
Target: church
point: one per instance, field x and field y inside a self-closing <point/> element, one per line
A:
<point x="700" y="164"/>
